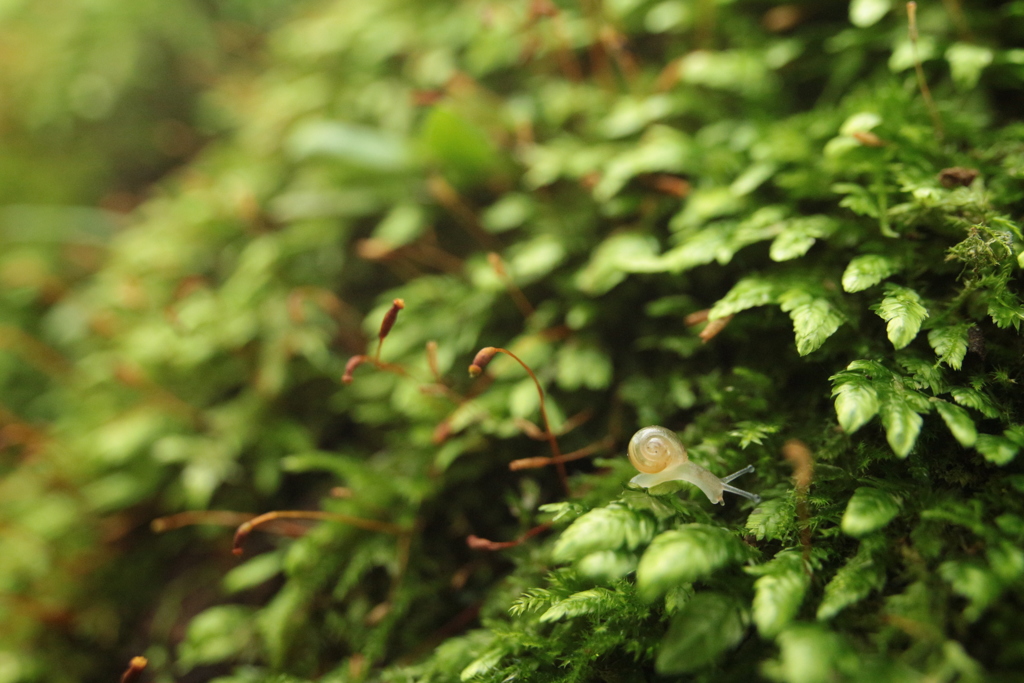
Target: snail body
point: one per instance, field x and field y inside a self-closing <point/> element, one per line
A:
<point x="660" y="456"/>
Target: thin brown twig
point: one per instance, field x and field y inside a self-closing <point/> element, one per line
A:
<point x="800" y="457"/>
<point x="194" y="517"/>
<point x="359" y="522"/>
<point x="697" y="317"/>
<point x="713" y="328"/>
<point x="134" y="670"/>
<point x="477" y="543"/>
<point x="222" y="518"/>
<point x="483" y="357"/>
<point x="531" y="463"/>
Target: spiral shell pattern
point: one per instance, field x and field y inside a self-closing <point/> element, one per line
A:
<point x="653" y="449"/>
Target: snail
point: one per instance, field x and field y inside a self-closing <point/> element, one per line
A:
<point x="660" y="456"/>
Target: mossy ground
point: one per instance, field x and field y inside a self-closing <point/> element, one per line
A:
<point x="739" y="220"/>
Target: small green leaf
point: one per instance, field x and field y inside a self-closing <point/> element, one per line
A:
<point x="707" y="626"/>
<point x="869" y="509"/>
<point x="858" y="199"/>
<point x="950" y="343"/>
<point x="864" y="13"/>
<point x="612" y="260"/>
<point x="859" y="122"/>
<point x="607" y="528"/>
<point x="508" y="213"/>
<point x="902" y="425"/>
<point x="770" y="519"/>
<point x="482" y="664"/>
<point x="996" y="449"/>
<point x="749" y="432"/>
<point x="530" y="260"/>
<point x="867" y="271"/>
<point x="217" y="634"/>
<point x="972" y="398"/>
<point x="973" y="581"/>
<point x="583" y="365"/>
<point x="1006" y="560"/>
<point x="809" y="653"/>
<point x="684" y="555"/>
<point x="747" y="293"/>
<point x="578" y="604"/>
<point x="856" y="402"/>
<point x="799" y="235"/>
<point x="903" y="312"/>
<point x="606" y="565"/>
<point x="925" y="375"/>
<point x="779" y="593"/>
<point x="790" y="244"/>
<point x="353" y="144"/>
<point x="403" y="224"/>
<point x="1015" y="434"/>
<point x="1005" y="309"/>
<point x="959" y="422"/>
<point x="252" y="573"/>
<point x="966" y="62"/>
<point x="852" y="583"/>
<point x="814" y="319"/>
<point x="458" y="145"/>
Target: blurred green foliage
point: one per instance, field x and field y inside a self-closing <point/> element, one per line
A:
<point x="584" y="184"/>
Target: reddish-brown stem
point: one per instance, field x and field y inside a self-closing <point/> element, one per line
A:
<point x="477" y="543"/>
<point x="531" y="463"/>
<point x="350" y="367"/>
<point x="696" y="318"/>
<point x="386" y="324"/>
<point x="134" y="670"/>
<point x="800" y="457"/>
<point x="359" y="522"/>
<point x="482" y="358"/>
<point x="713" y="328"/>
<point x="669" y="184"/>
<point x="193" y="517"/>
<point x="221" y="518"/>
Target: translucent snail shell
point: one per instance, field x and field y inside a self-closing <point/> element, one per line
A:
<point x="660" y="456"/>
<point x="654" y="449"/>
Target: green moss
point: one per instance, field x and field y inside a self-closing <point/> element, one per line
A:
<point x="737" y="221"/>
